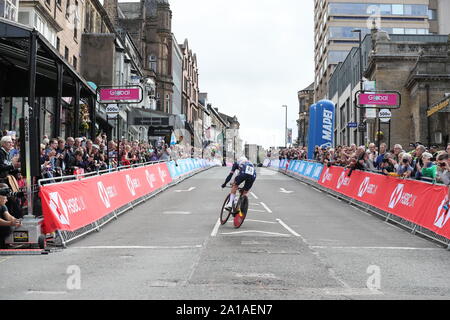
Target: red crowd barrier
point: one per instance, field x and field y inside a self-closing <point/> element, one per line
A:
<point x="415" y="201"/>
<point x="72" y="205"/>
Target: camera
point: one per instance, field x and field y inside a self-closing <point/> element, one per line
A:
<point x="405" y="161"/>
<point x="385" y="160"/>
<point x="5" y="192"/>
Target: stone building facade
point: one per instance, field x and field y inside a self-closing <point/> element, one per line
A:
<point x="60" y="22"/>
<point x="149" y="22"/>
<point x="416" y="66"/>
<point x="305" y="100"/>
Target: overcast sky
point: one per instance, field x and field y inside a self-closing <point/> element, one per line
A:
<point x="253" y="57"/>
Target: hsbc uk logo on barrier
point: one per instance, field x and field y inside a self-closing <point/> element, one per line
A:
<point x="367" y="187"/>
<point x="327" y="176"/>
<point x="59" y="208"/>
<point x="151" y="179"/>
<point x="106" y="193"/>
<point x="343" y="180"/>
<point x="132" y="184"/>
<point x="162" y="175"/>
<point x="442" y="215"/>
<point x="400" y="196"/>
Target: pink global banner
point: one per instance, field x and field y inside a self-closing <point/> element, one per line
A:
<point x="118" y="94"/>
<point x="379" y="99"/>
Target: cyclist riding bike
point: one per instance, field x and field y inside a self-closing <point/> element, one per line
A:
<point x="247" y="174"/>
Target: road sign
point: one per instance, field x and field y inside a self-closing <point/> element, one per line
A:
<point x="385" y="115"/>
<point x="112" y="109"/>
<point x="362" y="127"/>
<point x="352" y="125"/>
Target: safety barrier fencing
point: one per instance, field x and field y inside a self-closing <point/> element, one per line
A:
<point x="416" y="205"/>
<point x="77" y="207"/>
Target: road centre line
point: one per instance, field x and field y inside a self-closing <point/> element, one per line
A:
<point x="266" y="207"/>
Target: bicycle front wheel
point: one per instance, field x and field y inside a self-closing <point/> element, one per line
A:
<point x="225" y="214"/>
<point x="241" y="212"/>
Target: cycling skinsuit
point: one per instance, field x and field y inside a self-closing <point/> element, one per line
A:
<point x="246" y="173"/>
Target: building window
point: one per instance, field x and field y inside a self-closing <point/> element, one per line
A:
<point x="66" y="54"/>
<point x="75" y="62"/>
<point x="432" y="14"/>
<point x="152" y="62"/>
<point x="58" y="43"/>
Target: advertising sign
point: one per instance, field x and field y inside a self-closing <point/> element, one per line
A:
<point x="418" y="202"/>
<point x="379" y="99"/>
<point x="127" y="94"/>
<point x="321" y="126"/>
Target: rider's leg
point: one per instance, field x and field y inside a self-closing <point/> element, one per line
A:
<point x="234" y="190"/>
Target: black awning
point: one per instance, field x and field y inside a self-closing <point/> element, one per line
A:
<point x="14" y="53"/>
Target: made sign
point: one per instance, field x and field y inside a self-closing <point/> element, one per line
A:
<point x="379" y="99"/>
<point x="122" y="95"/>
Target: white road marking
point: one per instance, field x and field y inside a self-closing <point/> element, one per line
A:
<point x="255" y="204"/>
<point x="288" y="228"/>
<point x="139" y="247"/>
<point x="216" y="228"/>
<point x="189" y="190"/>
<point x="4" y="259"/>
<point x="46" y="292"/>
<point x="177" y="212"/>
<point x="255" y="210"/>
<point x="377" y="248"/>
<point x="283" y="190"/>
<point x="266" y="207"/>
<point x="315" y="189"/>
<point x="256" y="275"/>
<point x="257" y="231"/>
<point x="352" y="292"/>
<point x="270" y="222"/>
<point x="254" y="196"/>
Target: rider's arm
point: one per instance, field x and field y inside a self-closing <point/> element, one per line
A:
<point x="228" y="179"/>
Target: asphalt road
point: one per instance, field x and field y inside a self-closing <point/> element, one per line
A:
<point x="297" y="243"/>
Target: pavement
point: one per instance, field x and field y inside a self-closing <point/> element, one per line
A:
<point x="297" y="243"/>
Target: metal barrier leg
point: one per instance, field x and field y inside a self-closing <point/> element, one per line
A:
<point x="388" y="217"/>
<point x="63" y="242"/>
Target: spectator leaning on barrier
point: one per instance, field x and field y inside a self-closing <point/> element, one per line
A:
<point x="388" y="164"/>
<point x="429" y="169"/>
<point x="443" y="172"/>
<point x="405" y="169"/>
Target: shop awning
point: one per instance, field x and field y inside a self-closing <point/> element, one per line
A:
<point x="14" y="53"/>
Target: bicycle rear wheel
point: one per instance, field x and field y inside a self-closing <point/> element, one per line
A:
<point x="225" y="214"/>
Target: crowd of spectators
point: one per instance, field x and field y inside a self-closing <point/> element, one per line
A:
<point x="415" y="162"/>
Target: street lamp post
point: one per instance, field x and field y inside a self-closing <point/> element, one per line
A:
<point x="361" y="82"/>
<point x="285" y="129"/>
